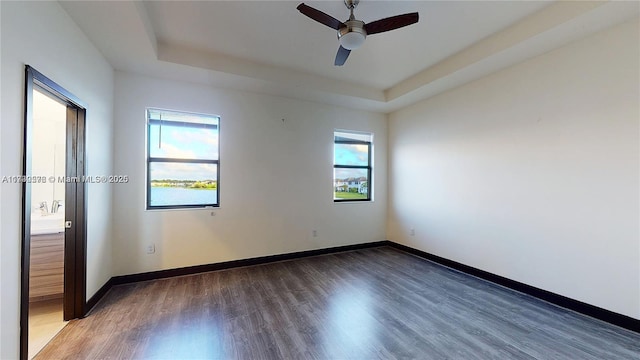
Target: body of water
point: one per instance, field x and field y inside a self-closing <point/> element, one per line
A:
<point x="162" y="196"/>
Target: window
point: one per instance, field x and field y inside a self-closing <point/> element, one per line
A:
<point x="182" y="160"/>
<point x="352" y="166"/>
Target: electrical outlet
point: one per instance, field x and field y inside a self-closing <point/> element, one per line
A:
<point x="151" y="249"/>
<point x="314" y="233"/>
<point x="412" y="232"/>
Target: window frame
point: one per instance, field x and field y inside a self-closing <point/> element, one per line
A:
<point x="150" y="159"/>
<point x="368" y="167"/>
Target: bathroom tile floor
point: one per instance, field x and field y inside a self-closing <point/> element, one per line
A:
<point x="45" y="321"/>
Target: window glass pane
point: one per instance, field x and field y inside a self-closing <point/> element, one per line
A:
<point x="352" y="136"/>
<point x="351" y="154"/>
<point x="168" y="115"/>
<point x="175" y="140"/>
<point x="183" y="184"/>
<point x="350" y="184"/>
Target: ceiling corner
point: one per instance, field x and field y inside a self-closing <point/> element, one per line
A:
<point x="548" y="18"/>
<point x="143" y="13"/>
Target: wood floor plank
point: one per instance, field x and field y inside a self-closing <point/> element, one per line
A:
<point x="378" y="303"/>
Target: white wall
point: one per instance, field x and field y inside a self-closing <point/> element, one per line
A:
<point x="42" y="35"/>
<point x="531" y="173"/>
<point x="276" y="182"/>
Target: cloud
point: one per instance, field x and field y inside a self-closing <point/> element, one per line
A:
<point x="183" y="143"/>
<point x="182" y="171"/>
<point x="172" y="151"/>
<point x="349" y="173"/>
<point x="351" y="154"/>
<point x="200" y="136"/>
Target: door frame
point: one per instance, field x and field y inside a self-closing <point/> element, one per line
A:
<point x="75" y="248"/>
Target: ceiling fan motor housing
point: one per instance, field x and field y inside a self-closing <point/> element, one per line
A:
<point x="352" y="35"/>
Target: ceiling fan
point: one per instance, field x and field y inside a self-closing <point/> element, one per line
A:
<point x="352" y="32"/>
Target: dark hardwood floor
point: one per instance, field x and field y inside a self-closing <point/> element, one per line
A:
<point x="378" y="303"/>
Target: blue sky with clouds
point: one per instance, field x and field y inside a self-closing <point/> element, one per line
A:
<point x="183" y="143"/>
<point x="350" y="154"/>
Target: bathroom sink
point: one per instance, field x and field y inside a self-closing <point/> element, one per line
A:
<point x="47" y="224"/>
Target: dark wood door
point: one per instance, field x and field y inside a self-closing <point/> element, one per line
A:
<point x="74" y="298"/>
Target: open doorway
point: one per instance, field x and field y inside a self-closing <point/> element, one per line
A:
<point x="46" y="268"/>
<point x="54" y="228"/>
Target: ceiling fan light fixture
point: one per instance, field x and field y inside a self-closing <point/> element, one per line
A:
<point x="352" y="35"/>
<point x="352" y="40"/>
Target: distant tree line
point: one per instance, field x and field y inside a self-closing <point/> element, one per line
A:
<point x="187" y="184"/>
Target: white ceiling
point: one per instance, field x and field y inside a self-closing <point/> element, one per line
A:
<point x="268" y="46"/>
<point x="275" y="33"/>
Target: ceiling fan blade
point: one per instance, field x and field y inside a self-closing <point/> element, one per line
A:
<point x="391" y="23"/>
<point x="341" y="56"/>
<point x="320" y="17"/>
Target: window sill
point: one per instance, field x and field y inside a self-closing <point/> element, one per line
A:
<point x="206" y="208"/>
